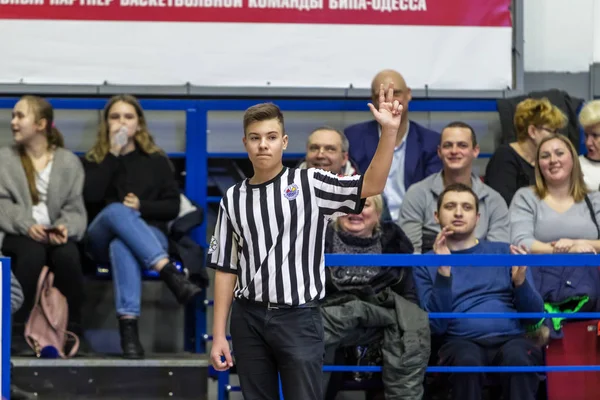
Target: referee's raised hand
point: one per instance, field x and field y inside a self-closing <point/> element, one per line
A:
<point x="389" y="114"/>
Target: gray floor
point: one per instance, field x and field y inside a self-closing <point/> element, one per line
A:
<point x="212" y="393"/>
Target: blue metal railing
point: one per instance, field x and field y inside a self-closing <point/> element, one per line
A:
<point x="196" y="155"/>
<point x="477" y="261"/>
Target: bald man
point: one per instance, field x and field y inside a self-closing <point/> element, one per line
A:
<point x="415" y="155"/>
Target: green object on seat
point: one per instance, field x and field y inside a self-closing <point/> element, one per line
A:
<point x="563" y="307"/>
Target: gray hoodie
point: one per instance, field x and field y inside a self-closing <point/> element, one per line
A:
<point x="417" y="219"/>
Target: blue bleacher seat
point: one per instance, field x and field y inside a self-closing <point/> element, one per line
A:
<point x="103" y="271"/>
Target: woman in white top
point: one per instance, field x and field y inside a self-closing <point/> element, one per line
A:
<point x="42" y="215"/>
<point x="589" y="118"/>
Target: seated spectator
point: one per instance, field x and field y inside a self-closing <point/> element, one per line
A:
<point x="511" y="166"/>
<point x="131" y="195"/>
<point x="327" y="149"/>
<point x="375" y="306"/>
<point x="479" y="342"/>
<point x="415" y="155"/>
<point x="42" y="214"/>
<point x="589" y="119"/>
<point x="458" y="149"/>
<point x="557" y="215"/>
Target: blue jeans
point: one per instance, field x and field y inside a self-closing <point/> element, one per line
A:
<point x="119" y="236"/>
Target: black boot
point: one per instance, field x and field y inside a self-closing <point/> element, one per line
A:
<point x="16" y="393"/>
<point x="179" y="284"/>
<point x="130" y="340"/>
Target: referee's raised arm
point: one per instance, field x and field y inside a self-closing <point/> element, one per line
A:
<point x="388" y="116"/>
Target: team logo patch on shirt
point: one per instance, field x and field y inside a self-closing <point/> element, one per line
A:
<point x="291" y="192"/>
<point x="213" y="245"/>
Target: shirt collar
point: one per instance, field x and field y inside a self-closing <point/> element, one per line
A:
<point x="403" y="138"/>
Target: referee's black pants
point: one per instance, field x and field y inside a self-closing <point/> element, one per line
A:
<point x="285" y="341"/>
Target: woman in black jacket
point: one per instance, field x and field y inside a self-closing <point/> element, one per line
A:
<point x="364" y="233"/>
<point x="131" y="194"/>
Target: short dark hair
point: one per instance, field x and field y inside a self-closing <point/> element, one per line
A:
<point x="263" y="112"/>
<point x="460" y="124"/>
<point x="457" y="187"/>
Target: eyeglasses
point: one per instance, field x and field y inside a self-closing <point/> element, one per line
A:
<point x="549" y="130"/>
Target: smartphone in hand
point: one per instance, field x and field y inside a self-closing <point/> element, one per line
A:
<point x="55" y="230"/>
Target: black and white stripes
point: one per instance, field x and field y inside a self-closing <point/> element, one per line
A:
<point x="271" y="235"/>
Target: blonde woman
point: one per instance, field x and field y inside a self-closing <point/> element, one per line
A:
<point x="558" y="215"/>
<point x="512" y="165"/>
<point x="589" y="118"/>
<point x="131" y="195"/>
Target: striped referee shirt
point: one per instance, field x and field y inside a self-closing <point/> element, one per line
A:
<point x="272" y="234"/>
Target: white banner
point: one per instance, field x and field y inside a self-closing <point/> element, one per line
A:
<point x="463" y="44"/>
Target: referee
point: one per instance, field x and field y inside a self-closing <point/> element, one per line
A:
<point x="267" y="250"/>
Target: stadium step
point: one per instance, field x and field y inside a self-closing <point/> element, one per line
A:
<point x="181" y="376"/>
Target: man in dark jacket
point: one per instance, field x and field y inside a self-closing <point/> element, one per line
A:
<point x="415" y="154"/>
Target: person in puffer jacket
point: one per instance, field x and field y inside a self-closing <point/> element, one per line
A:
<point x="16" y="294"/>
<point x="16" y="301"/>
<point x="376" y="307"/>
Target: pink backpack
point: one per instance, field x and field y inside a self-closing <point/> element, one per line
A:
<point x="47" y="324"/>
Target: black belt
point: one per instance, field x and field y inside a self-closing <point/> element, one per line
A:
<point x="276" y="306"/>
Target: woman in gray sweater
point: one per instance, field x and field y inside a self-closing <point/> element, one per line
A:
<point x="558" y="215"/>
<point x="553" y="216"/>
<point x="42" y="215"/>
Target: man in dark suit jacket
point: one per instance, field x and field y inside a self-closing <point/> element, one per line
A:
<point x="415" y="157"/>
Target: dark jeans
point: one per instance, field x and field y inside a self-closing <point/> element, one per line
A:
<point x="28" y="257"/>
<point x="507" y="352"/>
<point x="288" y="341"/>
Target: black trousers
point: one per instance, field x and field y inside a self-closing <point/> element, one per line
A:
<point x="28" y="257"/>
<point x="288" y="341"/>
<point x="517" y="351"/>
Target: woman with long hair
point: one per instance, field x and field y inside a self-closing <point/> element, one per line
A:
<point x="559" y="215"/>
<point x="131" y="195"/>
<point x="42" y="214"/>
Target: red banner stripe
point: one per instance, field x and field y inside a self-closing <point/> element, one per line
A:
<point x="360" y="12"/>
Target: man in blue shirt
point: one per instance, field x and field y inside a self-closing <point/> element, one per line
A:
<point x="479" y="342"/>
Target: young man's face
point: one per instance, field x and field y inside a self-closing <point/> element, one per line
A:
<point x="459" y="213"/>
<point x="265" y="141"/>
<point x="456" y="149"/>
